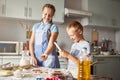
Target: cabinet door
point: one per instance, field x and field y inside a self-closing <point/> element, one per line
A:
<point x="2" y="7"/>
<point x="59" y="14"/>
<point x="34" y="9"/>
<point x="107" y="67"/>
<point x="104" y="14"/>
<point x="59" y="6"/>
<point x="16" y="8"/>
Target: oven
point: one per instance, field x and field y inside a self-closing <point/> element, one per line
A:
<point x="10" y="47"/>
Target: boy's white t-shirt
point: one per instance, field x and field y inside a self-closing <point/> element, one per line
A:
<point x="76" y="51"/>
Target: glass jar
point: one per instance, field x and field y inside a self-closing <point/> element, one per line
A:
<point x="84" y="66"/>
<point x="24" y="61"/>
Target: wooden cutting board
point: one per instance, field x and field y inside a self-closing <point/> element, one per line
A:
<point x="94" y="35"/>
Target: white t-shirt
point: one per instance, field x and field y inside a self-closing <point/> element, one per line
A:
<point x="76" y="51"/>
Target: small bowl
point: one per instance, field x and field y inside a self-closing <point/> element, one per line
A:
<point x="18" y="74"/>
<point x="106" y="53"/>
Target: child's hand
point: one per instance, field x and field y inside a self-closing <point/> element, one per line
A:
<point x="43" y="57"/>
<point x="34" y="62"/>
<point x="64" y="53"/>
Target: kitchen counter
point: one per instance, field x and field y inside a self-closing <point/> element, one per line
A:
<point x="13" y="78"/>
<point x="34" y="78"/>
<point x="106" y="55"/>
<point x="14" y="59"/>
<point x="44" y="73"/>
<point x="30" y="75"/>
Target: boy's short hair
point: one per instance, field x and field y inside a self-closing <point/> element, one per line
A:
<point x="75" y="24"/>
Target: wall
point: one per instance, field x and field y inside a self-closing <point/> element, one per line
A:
<point x="12" y="30"/>
<point x="107" y="33"/>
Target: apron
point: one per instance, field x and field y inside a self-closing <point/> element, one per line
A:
<point x="41" y="43"/>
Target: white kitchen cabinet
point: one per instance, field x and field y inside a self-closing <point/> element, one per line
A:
<point x="104" y="14"/>
<point x="25" y="9"/>
<point x="2" y="8"/>
<point x="31" y="9"/>
<point x="34" y="9"/>
<point x="107" y="66"/>
<point x="16" y="8"/>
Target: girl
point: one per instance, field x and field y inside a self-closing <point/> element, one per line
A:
<point x="44" y="34"/>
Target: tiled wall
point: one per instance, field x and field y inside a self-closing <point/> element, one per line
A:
<point x="12" y="30"/>
<point x="65" y="42"/>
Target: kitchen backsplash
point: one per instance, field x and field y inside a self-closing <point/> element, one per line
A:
<point x="12" y="30"/>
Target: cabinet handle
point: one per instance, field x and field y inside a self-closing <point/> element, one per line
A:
<point x="30" y="12"/>
<point x="3" y="9"/>
<point x="25" y="11"/>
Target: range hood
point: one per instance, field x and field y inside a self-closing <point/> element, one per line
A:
<point x="76" y="13"/>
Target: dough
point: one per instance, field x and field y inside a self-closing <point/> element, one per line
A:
<point x="5" y="72"/>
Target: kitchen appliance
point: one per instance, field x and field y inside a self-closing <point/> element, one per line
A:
<point x="106" y="45"/>
<point x="76" y="13"/>
<point x="10" y="47"/>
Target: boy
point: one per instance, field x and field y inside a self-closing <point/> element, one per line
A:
<point x="75" y="32"/>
